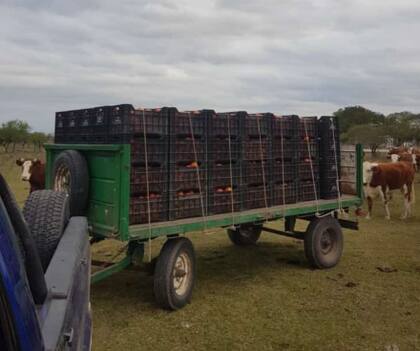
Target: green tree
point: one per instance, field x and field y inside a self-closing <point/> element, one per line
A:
<point x="357" y="115"/>
<point x="38" y="139"/>
<point x="13" y="132"/>
<point x="372" y="135"/>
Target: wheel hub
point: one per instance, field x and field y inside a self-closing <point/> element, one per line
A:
<point x="327" y="242"/>
<point x="182" y="274"/>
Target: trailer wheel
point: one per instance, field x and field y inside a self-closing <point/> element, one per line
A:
<point x="175" y="274"/>
<point x="245" y="234"/>
<point x="70" y="172"/>
<point x="47" y="214"/>
<point x="323" y="242"/>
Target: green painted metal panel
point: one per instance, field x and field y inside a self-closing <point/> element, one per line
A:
<point x="109" y="178"/>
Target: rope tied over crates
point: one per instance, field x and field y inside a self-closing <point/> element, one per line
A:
<point x="308" y="145"/>
<point x="262" y="162"/>
<point x="149" y="218"/>
<point x="232" y="197"/>
<point x="203" y="210"/>
<point x="337" y="175"/>
<point x="283" y="183"/>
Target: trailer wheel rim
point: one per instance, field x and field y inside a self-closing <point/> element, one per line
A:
<point x="327" y="242"/>
<point x="62" y="179"/>
<point x="182" y="274"/>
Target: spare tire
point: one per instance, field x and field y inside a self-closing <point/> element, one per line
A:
<point x="47" y="214"/>
<point x="71" y="175"/>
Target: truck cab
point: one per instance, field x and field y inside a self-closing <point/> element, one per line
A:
<point x="44" y="274"/>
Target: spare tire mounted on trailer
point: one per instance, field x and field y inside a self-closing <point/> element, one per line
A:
<point x="71" y="175"/>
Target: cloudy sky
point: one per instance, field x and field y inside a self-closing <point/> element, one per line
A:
<point x="290" y="56"/>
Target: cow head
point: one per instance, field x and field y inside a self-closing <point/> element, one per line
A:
<point x="369" y="169"/>
<point x="27" y="167"/>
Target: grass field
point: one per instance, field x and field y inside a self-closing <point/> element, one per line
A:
<point x="267" y="298"/>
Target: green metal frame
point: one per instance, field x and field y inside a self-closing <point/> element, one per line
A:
<point x="109" y="186"/>
<point x="108" y="214"/>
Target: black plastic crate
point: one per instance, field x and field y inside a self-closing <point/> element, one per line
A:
<point x="256" y="125"/>
<point x="308" y="171"/>
<point x="157" y="150"/>
<point x="185" y="180"/>
<point x="329" y="189"/>
<point x="306" y="191"/>
<point x="329" y="169"/>
<point x="328" y="127"/>
<point x="120" y="123"/>
<point x="285" y="126"/>
<point x="283" y="193"/>
<point x="329" y="150"/>
<point x="220" y="150"/>
<point x="222" y="174"/>
<point x="283" y="171"/>
<point x="152" y="122"/>
<point x="188" y="124"/>
<point x="285" y="149"/>
<point x="139" y="207"/>
<point x="254" y="172"/>
<point x="158" y="179"/>
<point x="188" y="150"/>
<point x="221" y="202"/>
<point x="187" y="205"/>
<point x="255" y="196"/>
<point x="308" y="128"/>
<point x="308" y="149"/>
<point x="220" y="124"/>
<point x="60" y="130"/>
<point x="255" y="149"/>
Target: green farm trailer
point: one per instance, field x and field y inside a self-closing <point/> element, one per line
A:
<point x="100" y="176"/>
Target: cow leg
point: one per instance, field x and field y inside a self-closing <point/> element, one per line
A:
<point x="370" y="203"/>
<point x="383" y="194"/>
<point x="407" y="201"/>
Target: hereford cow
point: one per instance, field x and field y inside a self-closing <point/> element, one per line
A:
<point x="381" y="178"/>
<point x="33" y="171"/>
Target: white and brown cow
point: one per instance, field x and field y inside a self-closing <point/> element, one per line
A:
<point x="33" y="171"/>
<point x="379" y="179"/>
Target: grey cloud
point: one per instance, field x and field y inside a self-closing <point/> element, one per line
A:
<point x="295" y="56"/>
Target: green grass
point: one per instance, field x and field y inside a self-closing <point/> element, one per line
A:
<point x="267" y="298"/>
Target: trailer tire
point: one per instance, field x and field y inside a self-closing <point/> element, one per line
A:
<point x="245" y="234"/>
<point x="71" y="175"/>
<point x="176" y="258"/>
<point x="323" y="242"/>
<point x="47" y="214"/>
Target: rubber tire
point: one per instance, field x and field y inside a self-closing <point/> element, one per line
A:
<point x="312" y="242"/>
<point x="245" y="235"/>
<point x="30" y="256"/>
<point x="164" y="291"/>
<point x="79" y="180"/>
<point x="47" y="214"/>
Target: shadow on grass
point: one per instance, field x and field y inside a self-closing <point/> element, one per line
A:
<point x="217" y="268"/>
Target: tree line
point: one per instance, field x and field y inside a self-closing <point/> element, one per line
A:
<point x="373" y="129"/>
<point x="17" y="132"/>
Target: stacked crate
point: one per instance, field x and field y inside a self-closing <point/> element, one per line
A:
<point x="224" y="152"/>
<point x="284" y="156"/>
<point x="308" y="159"/>
<point x="256" y="160"/>
<point x="85" y="126"/>
<point x="188" y="164"/>
<point x="144" y="129"/>
<point x="329" y="144"/>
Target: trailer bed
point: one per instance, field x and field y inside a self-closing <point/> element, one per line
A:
<point x="144" y="231"/>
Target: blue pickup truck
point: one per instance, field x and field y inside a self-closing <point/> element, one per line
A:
<point x="44" y="274"/>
